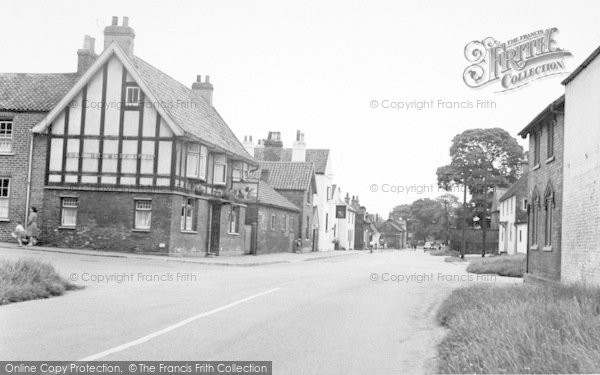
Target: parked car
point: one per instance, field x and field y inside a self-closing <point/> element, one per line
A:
<point x="428" y="246"/>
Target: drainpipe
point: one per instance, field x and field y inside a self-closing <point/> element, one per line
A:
<point x="527" y="241"/>
<point x="29" y="168"/>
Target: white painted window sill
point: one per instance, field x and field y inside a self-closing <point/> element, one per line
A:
<point x="550" y="159"/>
<point x="534" y="247"/>
<point x="67" y="227"/>
<point x="189" y="231"/>
<point x="536" y="167"/>
<point x="4" y="219"/>
<point x="547" y="248"/>
<point x="141" y="230"/>
<point x="7" y="154"/>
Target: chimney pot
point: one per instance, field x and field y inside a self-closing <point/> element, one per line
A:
<point x="205" y="89"/>
<point x="207" y="78"/>
<point x="123" y="35"/>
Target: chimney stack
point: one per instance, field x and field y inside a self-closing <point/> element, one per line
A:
<point x="123" y="35"/>
<point x="205" y="89"/>
<point x="299" y="148"/>
<point x="347" y="199"/>
<point x="273" y="147"/>
<point x="86" y="55"/>
<point x="248" y="144"/>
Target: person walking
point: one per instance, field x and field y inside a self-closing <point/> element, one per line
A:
<point x="32" y="226"/>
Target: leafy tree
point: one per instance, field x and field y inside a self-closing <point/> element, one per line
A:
<point x="480" y="160"/>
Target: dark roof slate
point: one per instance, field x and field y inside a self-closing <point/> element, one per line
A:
<point x="267" y="195"/>
<point x="313" y="155"/>
<point x="289" y="175"/>
<point x="519" y="188"/>
<point x="190" y="111"/>
<point x="34" y="92"/>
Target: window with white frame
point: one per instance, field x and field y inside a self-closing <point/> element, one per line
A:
<point x="68" y="213"/>
<point x="284" y="223"/>
<point x="196" y="161"/>
<point x="273" y="222"/>
<point x="262" y="222"/>
<point x="132" y="97"/>
<point x="220" y="170"/>
<point x="4" y="197"/>
<point x="6" y="130"/>
<point x="188" y="217"/>
<point x="234" y="220"/>
<point x="143" y="214"/>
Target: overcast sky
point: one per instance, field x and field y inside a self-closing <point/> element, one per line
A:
<point x="317" y="65"/>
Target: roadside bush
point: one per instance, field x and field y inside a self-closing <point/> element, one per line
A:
<point x="504" y="265"/>
<point x="28" y="279"/>
<point x="521" y="329"/>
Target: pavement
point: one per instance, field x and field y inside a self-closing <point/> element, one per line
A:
<point x="241" y="261"/>
<point x="366" y="313"/>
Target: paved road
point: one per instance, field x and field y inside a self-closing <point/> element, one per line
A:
<point x="320" y="317"/>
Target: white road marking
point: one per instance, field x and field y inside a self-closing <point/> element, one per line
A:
<point x="182" y="323"/>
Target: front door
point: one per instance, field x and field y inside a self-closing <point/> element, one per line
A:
<point x="215" y="229"/>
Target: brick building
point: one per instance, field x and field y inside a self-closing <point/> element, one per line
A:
<point x="274" y="220"/>
<point x="545" y="191"/>
<point x="393" y="234"/>
<point x="295" y="181"/>
<point x="321" y="158"/>
<point x="580" y="261"/>
<point x="364" y="228"/>
<point x="133" y="160"/>
<point x="25" y="99"/>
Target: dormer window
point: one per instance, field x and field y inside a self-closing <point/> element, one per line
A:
<point x="132" y="96"/>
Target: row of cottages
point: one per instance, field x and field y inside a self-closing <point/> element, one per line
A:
<point x="564" y="203"/>
<point x="322" y="221"/>
<point x="121" y="156"/>
<point x="512" y="216"/>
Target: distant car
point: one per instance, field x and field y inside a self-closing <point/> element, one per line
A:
<point x="428" y="246"/>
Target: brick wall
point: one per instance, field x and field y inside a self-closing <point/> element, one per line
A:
<point x="298" y="198"/>
<point x="189" y="244"/>
<point x="15" y="167"/>
<point x="581" y="234"/>
<point x="272" y="240"/>
<point x="545" y="261"/>
<point x="105" y="221"/>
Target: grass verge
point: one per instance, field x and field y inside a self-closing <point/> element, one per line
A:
<point x="28" y="279"/>
<point x="443" y="252"/>
<point x="521" y="329"/>
<point x="504" y="265"/>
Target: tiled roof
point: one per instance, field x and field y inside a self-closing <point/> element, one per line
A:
<point x="189" y="110"/>
<point x="34" y="92"/>
<point x="317" y="156"/>
<point x="289" y="175"/>
<point x="267" y="195"/>
<point x="519" y="188"/>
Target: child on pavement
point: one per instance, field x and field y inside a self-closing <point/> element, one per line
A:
<point x="19" y="233"/>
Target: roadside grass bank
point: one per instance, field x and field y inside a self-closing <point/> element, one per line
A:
<point x="503" y="265"/>
<point x="28" y="279"/>
<point x="444" y="253"/>
<point x="520" y="329"/>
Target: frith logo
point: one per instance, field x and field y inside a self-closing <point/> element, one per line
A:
<point x="515" y="63"/>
